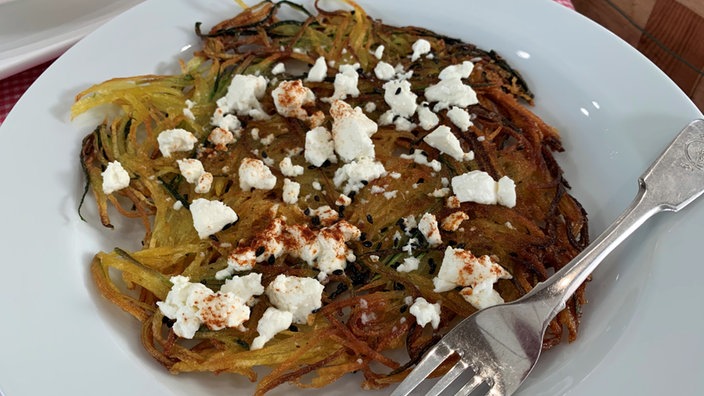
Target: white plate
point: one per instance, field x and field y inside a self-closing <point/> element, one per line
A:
<point x="641" y="332"/>
<point x="34" y="31"/>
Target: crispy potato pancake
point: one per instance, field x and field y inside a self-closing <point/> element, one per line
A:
<point x="396" y="213"/>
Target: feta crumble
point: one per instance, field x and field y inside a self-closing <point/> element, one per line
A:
<point x="173" y="140"/>
<point x="210" y="217"/>
<point x="480" y="187"/>
<point x="346" y="82"/>
<point x="356" y="173"/>
<point x="425" y="312"/>
<point x="319" y="147"/>
<point x="420" y="48"/>
<point x="193" y="304"/>
<point x="428" y="226"/>
<point x="272" y="322"/>
<point x="253" y="173"/>
<point x="318" y="71"/>
<point x="289" y="169"/>
<point x="426" y="118"/>
<point x="191" y="169"/>
<point x="379" y="51"/>
<point x="115" y="177"/>
<point x="384" y="71"/>
<point x="278" y="68"/>
<point x="450" y="90"/>
<point x="460" y="117"/>
<point x="400" y="98"/>
<point x="291" y="191"/>
<point x="299" y="296"/>
<point x="290" y="97"/>
<point x="351" y="132"/>
<point x="446" y="142"/>
<point x="243" y="95"/>
<point x="477" y="274"/>
<point x="453" y="220"/>
<point x="409" y="264"/>
<point x="419" y="157"/>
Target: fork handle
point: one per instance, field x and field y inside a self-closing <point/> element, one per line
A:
<point x="674" y="180"/>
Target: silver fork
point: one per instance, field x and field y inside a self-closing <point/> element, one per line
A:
<point x="501" y="344"/>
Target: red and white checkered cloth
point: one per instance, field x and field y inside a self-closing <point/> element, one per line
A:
<point x="12" y="88"/>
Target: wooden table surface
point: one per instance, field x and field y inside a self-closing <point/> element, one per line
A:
<point x="669" y="32"/>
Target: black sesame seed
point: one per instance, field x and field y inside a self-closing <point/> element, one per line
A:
<point x="384" y="229"/>
<point x="365" y="182"/>
<point x="326" y="163"/>
<point x="367" y="244"/>
<point x="420" y="181"/>
<point x="307" y="211"/>
<point x="432" y="266"/>
<point x="363" y="236"/>
<point x="398" y="91"/>
<point x="264" y="154"/>
<point x="271" y="259"/>
<point x="404" y="308"/>
<point x="293" y="328"/>
<point x="370" y="219"/>
<point x="315" y="220"/>
<point x="352" y="195"/>
<point x="316" y="198"/>
<point x="260" y="250"/>
<point x="338" y="272"/>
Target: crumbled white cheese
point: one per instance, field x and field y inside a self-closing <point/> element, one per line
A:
<point x="319" y="146"/>
<point x="289" y="169"/>
<point x="395" y="175"/>
<point x="316" y="185"/>
<point x="480" y="187"/>
<point x="204" y="183"/>
<point x="245" y="287"/>
<point x="384" y="71"/>
<point x="351" y="132"/>
<point x="379" y="52"/>
<point x="192" y="304"/>
<point x="290" y="97"/>
<point x="115" y="177"/>
<point x="191" y="169"/>
<point x="356" y="173"/>
<point x="440" y="192"/>
<point x="425" y="312"/>
<point x="426" y="118"/>
<point x="419" y="157"/>
<point x="444" y="140"/>
<point x="460" y="117"/>
<point x="478" y="274"/>
<point x="268" y="139"/>
<point x="221" y="137"/>
<point x="253" y="173"/>
<point x="243" y="95"/>
<point x="227" y="122"/>
<point x="390" y="194"/>
<point x="506" y="192"/>
<point x="272" y="322"/>
<point x="402" y="74"/>
<point x="346" y="82"/>
<point x="343" y="200"/>
<point x="178" y="205"/>
<point x="377" y="189"/>
<point x="409" y="264"/>
<point x="210" y="217"/>
<point x="450" y="90"/>
<point x="278" y="68"/>
<point x="369" y="107"/>
<point x="452" y="202"/>
<point x="291" y="191"/>
<point x="420" y="47"/>
<point x="453" y="220"/>
<point x="188" y="110"/>
<point x="428" y="226"/>
<point x="318" y="71"/>
<point x="172" y="140"/>
<point x="325" y="214"/>
<point x="400" y="98"/>
<point x="299" y="296"/>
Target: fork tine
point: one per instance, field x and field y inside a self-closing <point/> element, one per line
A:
<point x="432" y="359"/>
<point x="448" y="378"/>
<point x="470" y="386"/>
